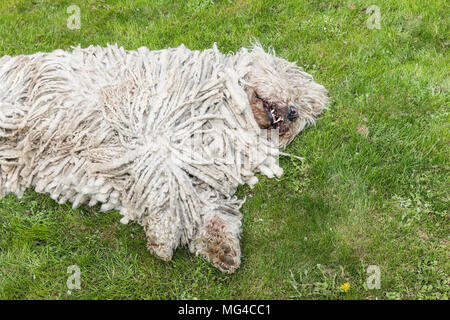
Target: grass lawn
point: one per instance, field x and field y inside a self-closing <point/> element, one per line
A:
<point x="374" y="189"/>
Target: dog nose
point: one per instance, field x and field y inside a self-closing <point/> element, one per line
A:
<point x="292" y="113"/>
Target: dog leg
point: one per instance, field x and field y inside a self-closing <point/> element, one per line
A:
<point x="218" y="241"/>
<point x="162" y="235"/>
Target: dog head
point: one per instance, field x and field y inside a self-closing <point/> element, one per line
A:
<point x="282" y="96"/>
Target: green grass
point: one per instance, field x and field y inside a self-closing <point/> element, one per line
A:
<point x="374" y="189"/>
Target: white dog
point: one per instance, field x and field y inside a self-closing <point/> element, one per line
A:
<point x="165" y="137"/>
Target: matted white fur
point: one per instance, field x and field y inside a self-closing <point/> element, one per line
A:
<point x="165" y="137"/>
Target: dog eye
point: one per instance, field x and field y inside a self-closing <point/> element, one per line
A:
<point x="292" y="113"/>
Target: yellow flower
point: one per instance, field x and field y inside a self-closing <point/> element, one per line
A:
<point x="345" y="287"/>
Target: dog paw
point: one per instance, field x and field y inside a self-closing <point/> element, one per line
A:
<point x="218" y="242"/>
<point x="224" y="255"/>
<point x="162" y="251"/>
<point x="227" y="260"/>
